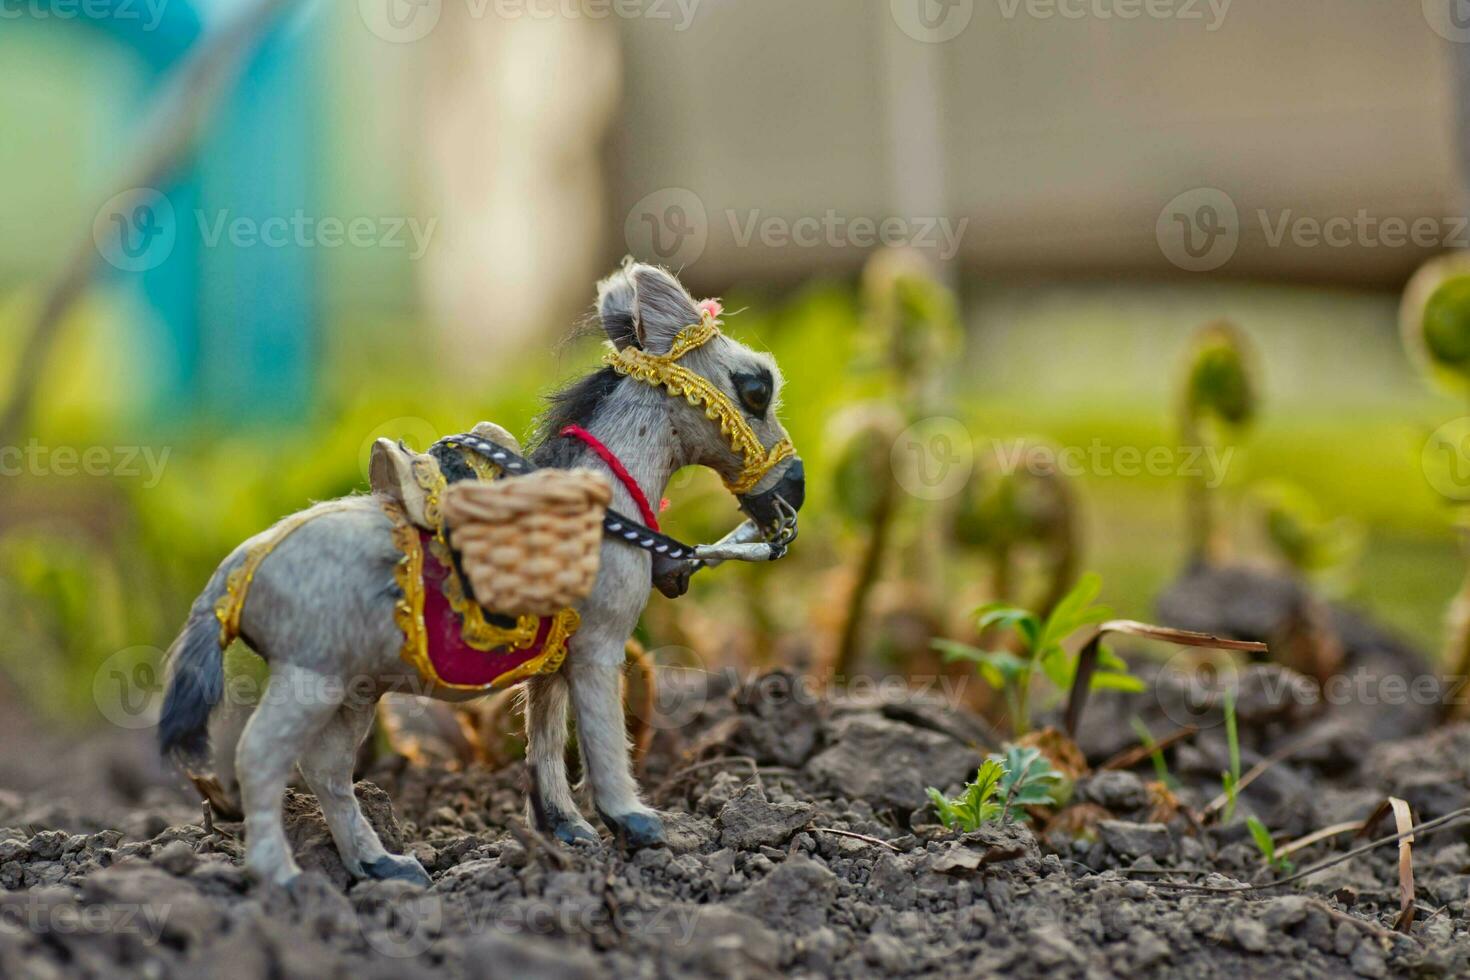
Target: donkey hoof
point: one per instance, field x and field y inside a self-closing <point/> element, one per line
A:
<point x="391" y="867"/>
<point x="571" y="831"/>
<point x="638" y="830"/>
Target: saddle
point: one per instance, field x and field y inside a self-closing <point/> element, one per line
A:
<point x="448" y="637"/>
<point x="404" y="476"/>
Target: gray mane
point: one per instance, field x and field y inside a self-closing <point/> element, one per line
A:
<point x="576" y="404"/>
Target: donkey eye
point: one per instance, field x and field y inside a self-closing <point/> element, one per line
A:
<point x="754" y="390"/>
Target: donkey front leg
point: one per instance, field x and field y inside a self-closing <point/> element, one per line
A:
<point x="327" y="766"/>
<point x="552" y="809"/>
<point x="597" y="694"/>
<point x="297" y="704"/>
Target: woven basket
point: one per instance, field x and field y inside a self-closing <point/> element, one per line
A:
<point x="530" y="545"/>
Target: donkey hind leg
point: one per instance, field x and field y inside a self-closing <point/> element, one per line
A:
<point x="327" y="766"/>
<point x="227" y="725"/>
<point x="597" y="693"/>
<point x="551" y="808"/>
<point x="297" y="704"/>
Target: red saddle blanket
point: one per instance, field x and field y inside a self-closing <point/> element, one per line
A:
<point x="446" y="635"/>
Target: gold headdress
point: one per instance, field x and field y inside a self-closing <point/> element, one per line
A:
<point x="663" y="371"/>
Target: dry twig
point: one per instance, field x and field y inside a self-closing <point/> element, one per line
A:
<point x="1087" y="658"/>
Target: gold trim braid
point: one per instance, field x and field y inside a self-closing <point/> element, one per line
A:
<point x="408" y="613"/>
<point x="237" y="585"/>
<point x="660" y="370"/>
<point x="475" y="630"/>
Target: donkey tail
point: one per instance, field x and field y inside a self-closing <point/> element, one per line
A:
<point x="196" y="677"/>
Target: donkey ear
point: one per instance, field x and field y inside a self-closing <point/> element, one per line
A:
<point x="662" y="308"/>
<point x="616" y="298"/>
<point x="645" y="306"/>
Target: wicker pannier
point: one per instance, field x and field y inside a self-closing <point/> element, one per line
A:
<point x="530" y="545"/>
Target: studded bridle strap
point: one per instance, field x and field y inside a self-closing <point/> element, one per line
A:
<point x="614" y="524"/>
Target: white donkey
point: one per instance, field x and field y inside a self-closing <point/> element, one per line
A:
<point x="324" y="592"/>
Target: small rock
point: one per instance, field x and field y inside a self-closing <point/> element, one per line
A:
<point x="527" y="957"/>
<point x="912" y="759"/>
<point x="1136" y="840"/>
<point x="748" y="821"/>
<point x="1147" y="949"/>
<point x="47" y="844"/>
<point x="177" y="858"/>
<point x="1250" y="935"/>
<point x="888" y="953"/>
<point x="1051" y="949"/>
<point x="1368" y="962"/>
<point x="1283" y="913"/>
<point x="1120" y="792"/>
<point x="796" y="894"/>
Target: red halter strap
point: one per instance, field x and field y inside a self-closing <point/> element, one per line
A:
<point x="618" y="470"/>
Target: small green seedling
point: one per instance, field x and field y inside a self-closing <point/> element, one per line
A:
<point x="1020" y="778"/>
<point x="1267" y="846"/>
<point x="1041" y="648"/>
<point x="976" y="804"/>
<point x="1030" y="779"/>
<point x="1219" y="403"/>
<point x="1230" y="780"/>
<point x="1155" y="754"/>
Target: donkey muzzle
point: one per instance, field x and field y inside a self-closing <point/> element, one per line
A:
<point x="771" y="507"/>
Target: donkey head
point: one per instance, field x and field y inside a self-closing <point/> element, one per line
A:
<point x="724" y="396"/>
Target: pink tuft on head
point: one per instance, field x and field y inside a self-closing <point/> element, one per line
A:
<point x="711" y="308"/>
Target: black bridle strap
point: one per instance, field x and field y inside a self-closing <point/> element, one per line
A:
<point x="614" y="524"/>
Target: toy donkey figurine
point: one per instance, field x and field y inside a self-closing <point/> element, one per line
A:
<point x="387" y="592"/>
